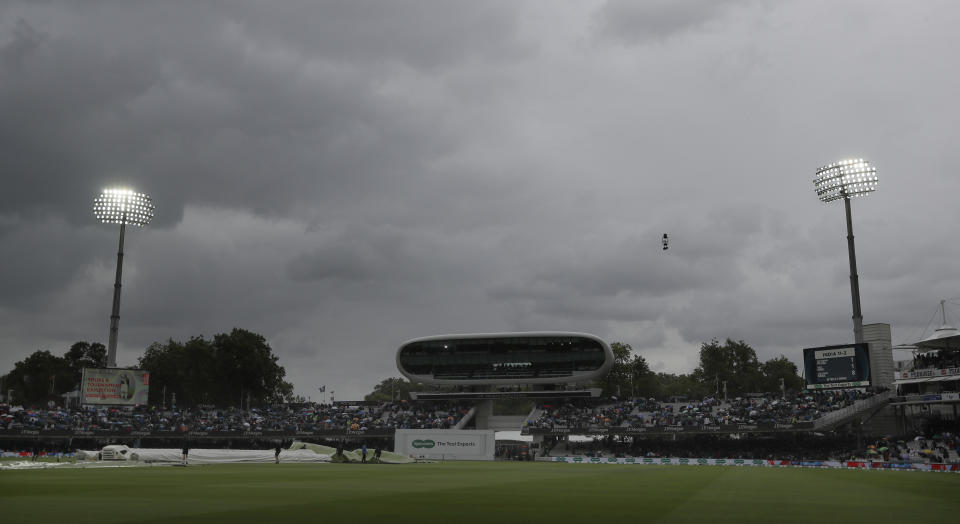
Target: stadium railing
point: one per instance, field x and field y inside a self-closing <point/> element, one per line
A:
<point x="839" y="416"/>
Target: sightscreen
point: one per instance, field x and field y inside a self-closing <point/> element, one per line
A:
<point x="842" y="366"/>
<point x="114" y="386"/>
<point x="446" y="444"/>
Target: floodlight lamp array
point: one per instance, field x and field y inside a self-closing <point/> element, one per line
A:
<point x="846" y="178"/>
<point x="123" y="206"/>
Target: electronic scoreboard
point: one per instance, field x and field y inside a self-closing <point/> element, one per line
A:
<point x="843" y="366"/>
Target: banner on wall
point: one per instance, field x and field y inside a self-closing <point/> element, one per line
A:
<point x="664" y="460"/>
<point x="114" y="386"/>
<point x="927" y="373"/>
<point x="445" y="444"/>
<point x="671" y="461"/>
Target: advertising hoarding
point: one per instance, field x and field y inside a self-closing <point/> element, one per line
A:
<point x="841" y="366"/>
<point x="927" y="373"/>
<point x="445" y="444"/>
<point x="114" y="386"/>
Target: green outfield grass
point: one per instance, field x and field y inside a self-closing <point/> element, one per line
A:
<point x="476" y="492"/>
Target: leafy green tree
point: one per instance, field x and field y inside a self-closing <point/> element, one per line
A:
<point x="182" y="369"/>
<point x="669" y="385"/>
<point x="779" y="368"/>
<point x="630" y="374"/>
<point x="40" y="377"/>
<point x="43" y="376"/>
<point x="249" y="361"/>
<point x="643" y="381"/>
<point x="733" y="362"/>
<point x="86" y="355"/>
<point x="232" y="369"/>
<point x="393" y="389"/>
<point x="617" y="380"/>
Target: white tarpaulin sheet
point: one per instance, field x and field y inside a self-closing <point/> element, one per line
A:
<point x="222" y="456"/>
<point x="386" y="457"/>
<point x="29" y="464"/>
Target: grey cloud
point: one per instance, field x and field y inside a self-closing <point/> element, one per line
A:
<point x="343" y="176"/>
<point x="353" y="256"/>
<point x="25" y="41"/>
<point x="702" y="255"/>
<point x="404" y="32"/>
<point x="655" y="20"/>
<point x="234" y="104"/>
<point x="42" y="257"/>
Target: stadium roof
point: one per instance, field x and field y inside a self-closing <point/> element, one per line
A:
<point x="945" y="337"/>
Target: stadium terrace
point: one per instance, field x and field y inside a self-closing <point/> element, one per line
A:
<point x="526" y="396"/>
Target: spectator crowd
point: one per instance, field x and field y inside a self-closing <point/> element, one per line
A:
<point x="937" y="360"/>
<point x="290" y="418"/>
<point x="798" y="446"/>
<point x="935" y="448"/>
<point x="767" y="408"/>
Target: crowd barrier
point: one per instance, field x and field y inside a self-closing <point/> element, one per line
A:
<point x="28" y="454"/>
<point x="850" y="464"/>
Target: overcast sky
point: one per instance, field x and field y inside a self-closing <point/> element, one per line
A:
<point x="344" y="176"/>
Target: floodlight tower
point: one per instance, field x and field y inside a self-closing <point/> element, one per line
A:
<point x="845" y="179"/>
<point x="120" y="206"/>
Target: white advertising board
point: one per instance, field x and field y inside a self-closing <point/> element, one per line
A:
<point x="445" y="444"/>
<point x="114" y="386"/>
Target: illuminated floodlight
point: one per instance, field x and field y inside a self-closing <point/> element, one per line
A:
<point x="123" y="206"/>
<point x="120" y="206"/>
<point x="847" y="178"/>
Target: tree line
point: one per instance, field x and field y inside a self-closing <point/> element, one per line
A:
<point x="240" y="369"/>
<point x="231" y="369"/>
<point x="730" y="368"/>
<point x="44" y="376"/>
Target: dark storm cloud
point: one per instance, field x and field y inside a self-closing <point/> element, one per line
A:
<point x="655" y="20"/>
<point x="359" y="254"/>
<point x="232" y="104"/>
<point x="225" y="107"/>
<point x="344" y="176"/>
<point x="42" y="258"/>
<point x="703" y="256"/>
<point x="363" y="32"/>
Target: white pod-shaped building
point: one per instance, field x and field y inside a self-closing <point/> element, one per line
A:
<point x="505" y="358"/>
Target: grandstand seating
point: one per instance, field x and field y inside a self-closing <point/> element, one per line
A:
<point x="769" y="408"/>
<point x="308" y="417"/>
<point x="826" y="407"/>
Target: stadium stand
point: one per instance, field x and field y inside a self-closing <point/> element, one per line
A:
<point x="768" y="408"/>
<point x="546" y="416"/>
<point x="940" y="448"/>
<point x="306" y="417"/>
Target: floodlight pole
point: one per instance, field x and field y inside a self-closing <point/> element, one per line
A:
<point x="120" y="206"/>
<point x="845" y="179"/>
<point x="115" y="314"/>
<point x="854" y="281"/>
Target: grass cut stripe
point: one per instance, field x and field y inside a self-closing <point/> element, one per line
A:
<point x="481" y="492"/>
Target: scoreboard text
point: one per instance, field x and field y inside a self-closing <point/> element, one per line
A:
<point x="844" y="366"/>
